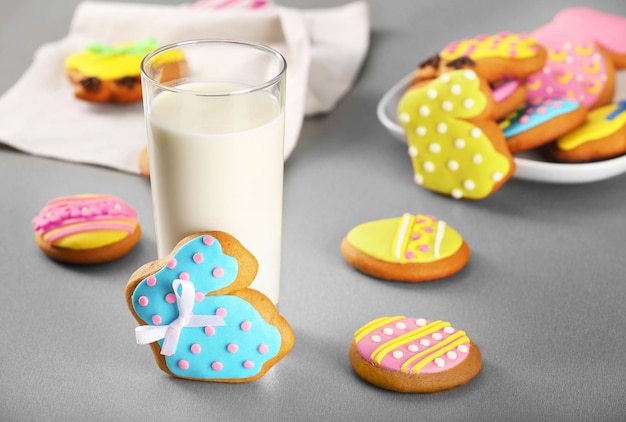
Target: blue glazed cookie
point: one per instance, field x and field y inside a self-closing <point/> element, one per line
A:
<point x="199" y="317"/>
<point x="540" y="122"/>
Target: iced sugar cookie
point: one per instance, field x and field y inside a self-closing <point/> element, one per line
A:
<point x="537" y="124"/>
<point x="585" y="47"/>
<point x="579" y="72"/>
<point x="602" y="136"/>
<point x="410" y="248"/>
<point x="105" y="72"/>
<point x="414" y="355"/>
<point x="504" y="60"/>
<point x="492" y="57"/>
<point x="200" y="318"/>
<point x="455" y="146"/>
<point x="86" y="229"/>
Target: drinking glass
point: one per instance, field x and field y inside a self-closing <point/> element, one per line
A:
<point x="214" y="113"/>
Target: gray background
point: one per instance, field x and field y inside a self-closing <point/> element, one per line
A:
<point x="543" y="294"/>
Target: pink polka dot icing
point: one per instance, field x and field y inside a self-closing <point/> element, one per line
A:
<point x="412" y="345"/>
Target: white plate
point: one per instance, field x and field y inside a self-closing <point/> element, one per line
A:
<point x="529" y="165"/>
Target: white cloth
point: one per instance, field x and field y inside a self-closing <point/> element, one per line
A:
<point x="324" y="48"/>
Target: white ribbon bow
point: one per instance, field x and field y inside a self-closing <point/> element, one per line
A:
<point x="171" y="333"/>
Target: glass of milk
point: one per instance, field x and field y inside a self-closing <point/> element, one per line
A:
<point x="215" y="119"/>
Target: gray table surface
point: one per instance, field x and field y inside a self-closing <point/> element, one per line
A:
<point x="543" y="295"/>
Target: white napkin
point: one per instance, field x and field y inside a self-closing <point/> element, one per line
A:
<point x="39" y="115"/>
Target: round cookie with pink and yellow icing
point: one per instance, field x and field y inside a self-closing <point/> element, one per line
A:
<point x="414" y="355"/>
<point x="411" y="248"/>
<point x="455" y="145"/>
<point x="86" y="229"/>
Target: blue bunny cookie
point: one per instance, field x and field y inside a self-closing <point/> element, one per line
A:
<point x="199" y="317"/>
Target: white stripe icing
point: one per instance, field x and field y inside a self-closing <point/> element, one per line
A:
<point x="401" y="236"/>
<point x="441" y="230"/>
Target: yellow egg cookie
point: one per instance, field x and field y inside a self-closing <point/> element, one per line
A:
<point x="410" y="248"/>
<point x="602" y="136"/>
<point x="456" y="148"/>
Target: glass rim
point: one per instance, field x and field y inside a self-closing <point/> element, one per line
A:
<point x="257" y="46"/>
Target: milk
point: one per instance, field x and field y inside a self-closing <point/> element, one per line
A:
<point x="216" y="163"/>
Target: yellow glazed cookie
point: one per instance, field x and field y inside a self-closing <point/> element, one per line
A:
<point x="602" y="136"/>
<point x="410" y="248"/>
<point x="498" y="55"/>
<point x="112" y="72"/>
<point x="456" y="148"/>
<point x="504" y="60"/>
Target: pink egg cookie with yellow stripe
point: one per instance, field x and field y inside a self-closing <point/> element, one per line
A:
<point x="410" y="248"/>
<point x="87" y="229"/>
<point x="414" y="355"/>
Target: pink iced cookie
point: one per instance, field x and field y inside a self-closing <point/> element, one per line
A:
<point x="578" y="72"/>
<point x="583" y="25"/>
<point x="86" y="229"/>
<point x="414" y="355"/>
<point x="585" y="46"/>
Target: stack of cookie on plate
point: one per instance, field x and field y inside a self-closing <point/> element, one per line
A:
<point x="479" y="101"/>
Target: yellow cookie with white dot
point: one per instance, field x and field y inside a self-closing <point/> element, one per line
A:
<point x="456" y="147"/>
